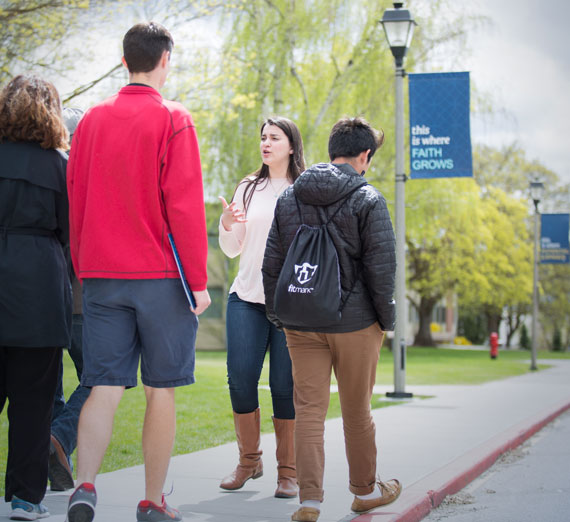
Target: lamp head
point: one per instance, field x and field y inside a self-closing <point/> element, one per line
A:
<point x="399" y="26"/>
<point x="536" y="191"/>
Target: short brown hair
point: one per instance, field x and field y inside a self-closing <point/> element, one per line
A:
<point x="144" y="44"/>
<point x="351" y="136"/>
<point x="30" y="110"/>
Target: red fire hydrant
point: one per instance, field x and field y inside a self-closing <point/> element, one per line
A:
<point x="494" y="344"/>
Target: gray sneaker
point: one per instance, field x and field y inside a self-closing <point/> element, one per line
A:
<point x="24" y="510"/>
<point x="82" y="503"/>
<point x="148" y="511"/>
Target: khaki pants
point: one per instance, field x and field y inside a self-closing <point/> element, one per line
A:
<point x="353" y="356"/>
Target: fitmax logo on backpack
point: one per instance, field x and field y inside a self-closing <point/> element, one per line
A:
<point x="304" y="274"/>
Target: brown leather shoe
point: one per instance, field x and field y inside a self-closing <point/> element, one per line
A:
<point x="285" y="453"/>
<point x="306" y="514"/>
<point x="390" y="491"/>
<point x="240" y="476"/>
<point x="286" y="487"/>
<point x="59" y="472"/>
<point x="247" y="426"/>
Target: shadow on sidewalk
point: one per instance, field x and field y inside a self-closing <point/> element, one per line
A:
<point x="238" y="506"/>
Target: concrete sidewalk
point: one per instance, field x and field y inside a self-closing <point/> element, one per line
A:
<point x="433" y="446"/>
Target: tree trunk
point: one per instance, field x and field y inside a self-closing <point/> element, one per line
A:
<point x="493" y="322"/>
<point x="514" y="320"/>
<point x="425" y="310"/>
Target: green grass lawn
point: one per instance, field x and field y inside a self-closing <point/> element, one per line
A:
<point x="204" y="409"/>
<point x="449" y="366"/>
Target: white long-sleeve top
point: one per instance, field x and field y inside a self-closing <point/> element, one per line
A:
<point x="248" y="239"/>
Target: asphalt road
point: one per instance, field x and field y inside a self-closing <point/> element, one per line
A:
<point x="530" y="483"/>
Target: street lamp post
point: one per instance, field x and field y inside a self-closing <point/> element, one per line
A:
<point x="536" y="192"/>
<point x="399" y="28"/>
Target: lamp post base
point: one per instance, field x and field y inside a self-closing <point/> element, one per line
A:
<point x="399" y="395"/>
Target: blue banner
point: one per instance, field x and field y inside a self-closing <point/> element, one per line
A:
<point x="440" y="135"/>
<point x="554" y="231"/>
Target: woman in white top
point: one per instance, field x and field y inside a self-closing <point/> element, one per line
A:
<point x="244" y="227"/>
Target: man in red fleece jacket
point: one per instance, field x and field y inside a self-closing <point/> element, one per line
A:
<point x="134" y="176"/>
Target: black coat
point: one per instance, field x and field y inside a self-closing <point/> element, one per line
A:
<point x="363" y="236"/>
<point x="35" y="289"/>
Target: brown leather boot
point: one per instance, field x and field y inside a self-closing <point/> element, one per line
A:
<point x="247" y="427"/>
<point x="286" y="470"/>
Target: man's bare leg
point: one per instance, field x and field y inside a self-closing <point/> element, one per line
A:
<point x="95" y="430"/>
<point x="158" y="439"/>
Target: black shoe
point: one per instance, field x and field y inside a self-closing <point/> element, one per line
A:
<point x="59" y="472"/>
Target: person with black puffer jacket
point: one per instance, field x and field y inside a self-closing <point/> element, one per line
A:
<point x="360" y="227"/>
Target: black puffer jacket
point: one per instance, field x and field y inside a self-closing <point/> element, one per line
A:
<point x="363" y="236"/>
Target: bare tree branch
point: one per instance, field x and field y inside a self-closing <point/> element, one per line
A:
<point x="87" y="86"/>
<point x="12" y="12"/>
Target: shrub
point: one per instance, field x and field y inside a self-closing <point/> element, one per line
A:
<point x="435" y="327"/>
<point x="524" y="340"/>
<point x="557" y="341"/>
<point x="472" y="324"/>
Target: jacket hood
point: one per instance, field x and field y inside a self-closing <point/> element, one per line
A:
<point x="324" y="183"/>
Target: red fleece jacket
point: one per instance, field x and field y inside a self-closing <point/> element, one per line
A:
<point x="133" y="176"/>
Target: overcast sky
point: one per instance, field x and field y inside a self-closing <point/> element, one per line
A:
<point x="524" y="60"/>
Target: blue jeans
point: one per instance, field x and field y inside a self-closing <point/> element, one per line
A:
<point x="250" y="334"/>
<point x="66" y="414"/>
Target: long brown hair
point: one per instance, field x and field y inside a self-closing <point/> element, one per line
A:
<point x="30" y="110"/>
<point x="296" y="160"/>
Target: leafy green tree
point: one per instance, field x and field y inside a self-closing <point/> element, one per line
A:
<point x="32" y="33"/>
<point x="554" y="307"/>
<point x="508" y="168"/>
<point x="473" y="242"/>
<point x="102" y="27"/>
<point x="503" y="257"/>
<point x="314" y="62"/>
<point x="309" y="61"/>
<point x="442" y="226"/>
<point x="77" y="42"/>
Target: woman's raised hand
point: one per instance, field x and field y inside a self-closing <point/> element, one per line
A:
<point x="231" y="214"/>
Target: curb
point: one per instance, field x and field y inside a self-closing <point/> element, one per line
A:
<point x="417" y="500"/>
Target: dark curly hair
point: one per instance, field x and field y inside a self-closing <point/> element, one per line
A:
<point x="30" y="110"/>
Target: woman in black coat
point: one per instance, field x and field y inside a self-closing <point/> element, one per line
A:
<point x="35" y="290"/>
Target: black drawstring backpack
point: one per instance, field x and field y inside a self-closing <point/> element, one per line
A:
<point x="308" y="292"/>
